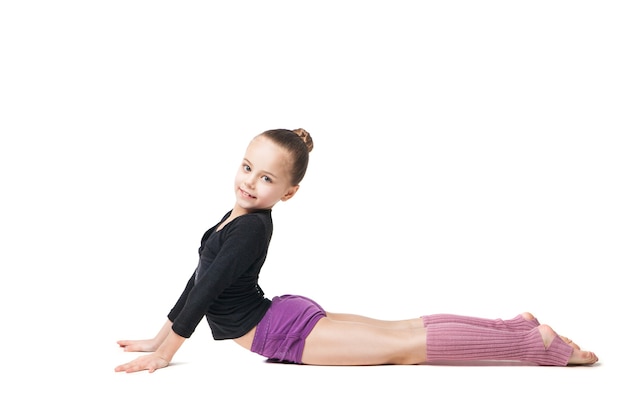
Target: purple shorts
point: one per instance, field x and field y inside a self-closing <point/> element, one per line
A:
<point x="281" y="333"/>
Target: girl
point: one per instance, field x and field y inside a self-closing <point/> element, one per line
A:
<point x="224" y="289"/>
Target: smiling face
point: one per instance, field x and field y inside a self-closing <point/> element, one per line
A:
<point x="263" y="178"/>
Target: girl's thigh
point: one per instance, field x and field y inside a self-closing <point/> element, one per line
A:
<point x="395" y="324"/>
<point x="337" y="342"/>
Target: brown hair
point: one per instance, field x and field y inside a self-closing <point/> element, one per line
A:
<point x="298" y="143"/>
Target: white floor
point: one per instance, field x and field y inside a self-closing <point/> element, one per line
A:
<point x="469" y="159"/>
<point x="211" y="377"/>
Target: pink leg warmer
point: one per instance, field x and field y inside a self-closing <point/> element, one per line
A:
<point x="518" y="323"/>
<point x="460" y="342"/>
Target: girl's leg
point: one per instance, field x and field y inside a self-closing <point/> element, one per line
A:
<point x="540" y="345"/>
<point x="521" y="322"/>
<point x="341" y="342"/>
<point x="389" y="324"/>
<point x="334" y="342"/>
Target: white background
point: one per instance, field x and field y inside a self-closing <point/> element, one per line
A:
<point x="469" y="158"/>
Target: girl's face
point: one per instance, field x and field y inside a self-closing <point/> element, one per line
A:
<point x="263" y="178"/>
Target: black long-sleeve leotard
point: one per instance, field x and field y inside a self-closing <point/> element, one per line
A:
<point x="224" y="287"/>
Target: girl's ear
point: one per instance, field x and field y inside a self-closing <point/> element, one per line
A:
<point x="290" y="193"/>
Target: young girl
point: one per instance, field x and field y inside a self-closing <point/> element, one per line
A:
<point x="224" y="289"/>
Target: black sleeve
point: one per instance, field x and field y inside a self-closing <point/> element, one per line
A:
<point x="175" y="311"/>
<point x="244" y="242"/>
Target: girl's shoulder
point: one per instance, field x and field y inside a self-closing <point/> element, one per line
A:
<point x="257" y="224"/>
<point x="252" y="230"/>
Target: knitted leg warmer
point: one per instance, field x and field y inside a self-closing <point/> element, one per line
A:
<point x="518" y="323"/>
<point x="460" y="342"/>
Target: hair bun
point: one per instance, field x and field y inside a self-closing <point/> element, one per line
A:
<point x="304" y="135"/>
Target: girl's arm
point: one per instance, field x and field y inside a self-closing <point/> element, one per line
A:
<point x="157" y="360"/>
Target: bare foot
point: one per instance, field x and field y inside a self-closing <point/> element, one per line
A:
<point x="529" y="317"/>
<point x="569" y="342"/>
<point x="578" y="357"/>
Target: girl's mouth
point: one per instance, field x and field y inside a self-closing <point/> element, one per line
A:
<point x="245" y="194"/>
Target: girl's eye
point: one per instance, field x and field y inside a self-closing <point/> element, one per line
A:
<point x="266" y="178"/>
<point x="247" y="168"/>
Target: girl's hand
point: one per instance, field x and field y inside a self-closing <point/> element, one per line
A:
<point x="146" y="345"/>
<point x="160" y="358"/>
<point x="149" y="363"/>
